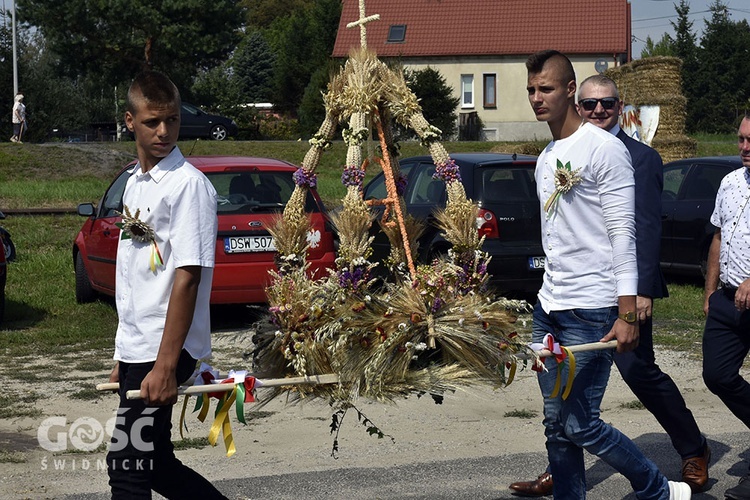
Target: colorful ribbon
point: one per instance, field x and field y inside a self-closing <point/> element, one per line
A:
<point x="242" y="393"/>
<point x="560" y="353"/>
<point x="156" y="259"/>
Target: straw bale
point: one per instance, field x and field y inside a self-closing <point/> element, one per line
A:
<point x="674" y="147"/>
<point x="672" y="119"/>
<point x="655" y="81"/>
<point x="645" y="80"/>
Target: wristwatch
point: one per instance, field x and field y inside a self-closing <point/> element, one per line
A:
<point x="628" y="317"/>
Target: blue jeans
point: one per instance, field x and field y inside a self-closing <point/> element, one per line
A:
<point x="574" y="424"/>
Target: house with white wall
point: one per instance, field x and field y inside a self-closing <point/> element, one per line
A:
<point x="480" y="47"/>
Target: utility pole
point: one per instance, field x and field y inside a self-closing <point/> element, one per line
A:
<point x="15" y="51"/>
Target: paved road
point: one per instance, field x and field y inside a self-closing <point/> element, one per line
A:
<point x="477" y="478"/>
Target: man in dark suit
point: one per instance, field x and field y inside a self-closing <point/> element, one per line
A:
<point x="600" y="104"/>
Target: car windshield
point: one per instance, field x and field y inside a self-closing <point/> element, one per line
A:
<point x="254" y="191"/>
<point x="507" y="184"/>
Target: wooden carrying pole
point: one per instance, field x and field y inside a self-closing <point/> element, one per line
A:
<point x="592" y="346"/>
<point x="330" y="378"/>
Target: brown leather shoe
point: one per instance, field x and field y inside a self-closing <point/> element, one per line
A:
<point x="695" y="470"/>
<point x="539" y="488"/>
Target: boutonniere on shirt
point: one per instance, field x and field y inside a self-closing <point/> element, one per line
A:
<point x="134" y="228"/>
<point x="565" y="179"/>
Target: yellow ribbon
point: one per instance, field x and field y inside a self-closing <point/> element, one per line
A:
<point x="512" y="373"/>
<point x="571" y="375"/>
<point x="221" y="424"/>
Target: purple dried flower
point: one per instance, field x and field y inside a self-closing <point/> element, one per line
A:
<point x="447" y="172"/>
<point x="401" y="184"/>
<point x="303" y="178"/>
<point x="436" y="305"/>
<point x="353" y="278"/>
<point x="352" y="176"/>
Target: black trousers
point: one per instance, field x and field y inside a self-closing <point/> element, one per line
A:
<point x="141" y="456"/>
<point x="726" y="342"/>
<point x="659" y="394"/>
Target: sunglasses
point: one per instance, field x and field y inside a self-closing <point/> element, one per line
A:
<point x="590" y="104"/>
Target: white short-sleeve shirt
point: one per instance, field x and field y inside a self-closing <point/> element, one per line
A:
<point x="179" y="203"/>
<point x="732" y="215"/>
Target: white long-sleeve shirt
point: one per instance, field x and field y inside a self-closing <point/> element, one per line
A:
<point x="589" y="236"/>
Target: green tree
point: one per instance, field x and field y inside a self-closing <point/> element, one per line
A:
<point x="52" y="102"/>
<point x="720" y="87"/>
<point x="6" y="82"/>
<point x="663" y="47"/>
<point x="685" y="47"/>
<point x="260" y="14"/>
<point x="118" y="38"/>
<point x="436" y="98"/>
<point x="312" y="110"/>
<point x="302" y="43"/>
<point x="253" y="64"/>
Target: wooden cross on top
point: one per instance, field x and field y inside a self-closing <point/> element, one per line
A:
<point x="361" y="22"/>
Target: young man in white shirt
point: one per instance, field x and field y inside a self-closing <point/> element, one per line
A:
<point x="585" y="185"/>
<point x="165" y="261"/>
<point x="599" y="103"/>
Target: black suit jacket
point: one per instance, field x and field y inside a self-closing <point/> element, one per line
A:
<point x="649" y="181"/>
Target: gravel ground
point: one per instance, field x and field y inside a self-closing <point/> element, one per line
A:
<point x="471" y="446"/>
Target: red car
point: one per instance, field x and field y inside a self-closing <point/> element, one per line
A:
<point x="251" y="194"/>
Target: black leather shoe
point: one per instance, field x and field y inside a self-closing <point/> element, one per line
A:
<point x="741" y="491"/>
<point x="539" y="488"/>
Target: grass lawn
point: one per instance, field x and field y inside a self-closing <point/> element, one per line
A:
<point x="42" y="316"/>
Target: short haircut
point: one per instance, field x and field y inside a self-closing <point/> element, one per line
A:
<point x="536" y="62"/>
<point x="601" y="81"/>
<point x="153" y="87"/>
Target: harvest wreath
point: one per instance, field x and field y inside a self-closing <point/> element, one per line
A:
<point x="429" y="329"/>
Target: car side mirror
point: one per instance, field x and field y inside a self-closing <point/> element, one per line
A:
<point x="86" y="209"/>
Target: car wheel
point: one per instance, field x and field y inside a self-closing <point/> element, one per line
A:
<point x="219" y="133"/>
<point x="84" y="292"/>
<point x="10" y="249"/>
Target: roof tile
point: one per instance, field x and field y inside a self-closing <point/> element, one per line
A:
<point x="489" y="27"/>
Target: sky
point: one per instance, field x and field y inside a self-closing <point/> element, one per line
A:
<point x="652" y="18"/>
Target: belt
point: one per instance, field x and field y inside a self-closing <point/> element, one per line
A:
<point x="727" y="286"/>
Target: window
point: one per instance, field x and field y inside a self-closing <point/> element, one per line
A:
<point x="396" y="33"/>
<point x="426" y="190"/>
<point x="490" y="91"/>
<point x="467" y="91"/>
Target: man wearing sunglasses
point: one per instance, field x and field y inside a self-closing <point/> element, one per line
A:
<point x="599" y="103"/>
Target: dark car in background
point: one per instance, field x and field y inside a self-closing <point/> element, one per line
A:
<point x="196" y="123"/>
<point x="504" y="188"/>
<point x="251" y="194"/>
<point x="688" y="198"/>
